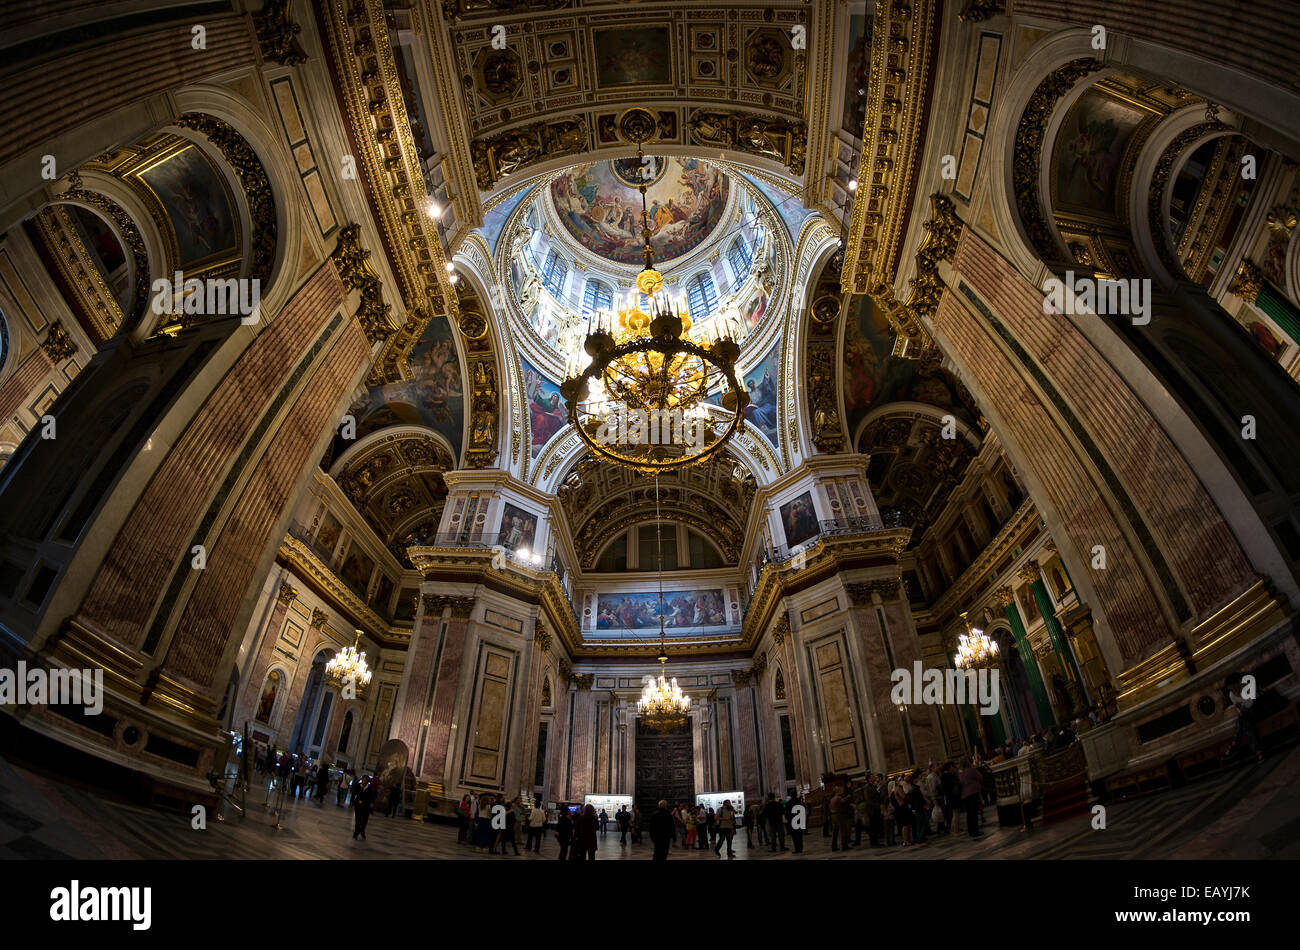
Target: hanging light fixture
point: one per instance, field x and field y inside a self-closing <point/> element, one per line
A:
<point x="641" y="396"/>
<point x="663" y="706"/>
<point x="349" y="666"/>
<point x="975" y="649"/>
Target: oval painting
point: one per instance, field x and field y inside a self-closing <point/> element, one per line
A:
<point x="600" y="205"/>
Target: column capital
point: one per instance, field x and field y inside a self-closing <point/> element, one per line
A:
<point x="760" y="664"/>
<point x="782" y="629"/>
<point x="863" y="593"/>
<point x="566" y="671"/>
<point x="461" y="607"/>
<point x="1030" y="572"/>
<point x="1005" y="596"/>
<point x="542" y="639"/>
<point x="318" y="617"/>
<point x="584" y="680"/>
<point x="287" y="595"/>
<point x="741" y="677"/>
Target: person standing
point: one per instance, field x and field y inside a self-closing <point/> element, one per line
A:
<point x="903" y="816"/>
<point x="506" y="836"/>
<point x="536" y="824"/>
<point x="564" y="830"/>
<point x="362" y="801"/>
<point x="662" y="831"/>
<point x="796" y="813"/>
<point x="624" y="821"/>
<point x="604" y="821"/>
<point x="394" y="800"/>
<point x="637" y="819"/>
<point x="483" y="823"/>
<point x="774" y="816"/>
<point x="748" y="822"/>
<point x="463" y="819"/>
<point x="726" y="822"/>
<point x="586" y="839"/>
<point x="840" y="823"/>
<point x="689" y="820"/>
<point x="972" y="785"/>
<point x="872" y="800"/>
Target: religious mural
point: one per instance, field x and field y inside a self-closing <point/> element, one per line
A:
<point x="633" y="57"/>
<point x="1088" y="151"/>
<point x="547" y="413"/>
<point x="196" y="203"/>
<point x="599" y="204"/>
<point x="799" y="518"/>
<point x="518" y="528"/>
<point x="434" y="396"/>
<point x="762" y="385"/>
<point x="873" y="376"/>
<point x="640" y="611"/>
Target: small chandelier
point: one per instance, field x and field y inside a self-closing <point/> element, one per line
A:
<point x="641" y="399"/>
<point x="976" y="650"/>
<point x="349" y="666"/>
<point x="663" y="706"/>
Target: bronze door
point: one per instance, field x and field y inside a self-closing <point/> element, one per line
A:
<point x="665" y="766"/>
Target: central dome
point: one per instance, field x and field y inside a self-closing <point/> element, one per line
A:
<point x="600" y="205"/>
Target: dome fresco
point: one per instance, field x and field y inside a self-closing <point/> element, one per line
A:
<point x="600" y="205"/>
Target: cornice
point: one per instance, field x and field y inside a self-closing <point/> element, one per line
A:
<point x="295" y="555"/>
<point x="902" y="65"/>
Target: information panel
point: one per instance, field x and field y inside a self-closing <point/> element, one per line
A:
<point x="610" y="803"/>
<point x="714" y="800"/>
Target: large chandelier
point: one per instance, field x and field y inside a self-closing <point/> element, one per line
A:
<point x="975" y="649"/>
<point x="641" y="396"/>
<point x="349" y="666"/>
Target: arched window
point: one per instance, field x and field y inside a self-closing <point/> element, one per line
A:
<point x="741" y="257"/>
<point x="596" y="296"/>
<point x="701" y="296"/>
<point x="553" y="273"/>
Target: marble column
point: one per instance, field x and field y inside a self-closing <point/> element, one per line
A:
<point x="580" y="777"/>
<point x="256" y="675"/>
<point x="433" y="766"/>
<point x="746" y="740"/>
<point x="1007" y="599"/>
<point x="301" y="675"/>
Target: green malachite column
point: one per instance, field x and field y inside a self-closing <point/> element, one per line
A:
<point x="1055" y="633"/>
<point x="1030" y="662"/>
<point x="1276" y="305"/>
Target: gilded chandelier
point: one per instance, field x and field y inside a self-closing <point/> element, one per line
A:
<point x="976" y="649"/>
<point x="642" y="399"/>
<point x="349" y="666"/>
<point x="663" y="706"/>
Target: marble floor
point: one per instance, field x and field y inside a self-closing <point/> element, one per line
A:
<point x="1251" y="812"/>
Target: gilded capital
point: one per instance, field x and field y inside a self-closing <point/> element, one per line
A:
<point x="1248" y="281"/>
<point x="741" y="677"/>
<point x="58" y="346"/>
<point x="584" y="680"/>
<point x="566" y="671"/>
<point x="1005" y="596"/>
<point x="461" y="607"/>
<point x="543" y="639"/>
<point x="1030" y="572"/>
<point x="318" y="617"/>
<point x="781" y="630"/>
<point x="288" y="594"/>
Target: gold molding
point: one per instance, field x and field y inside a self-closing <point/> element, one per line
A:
<point x="58" y="346"/>
<point x="79" y="270"/>
<point x="287" y="595"/>
<point x="901" y="74"/>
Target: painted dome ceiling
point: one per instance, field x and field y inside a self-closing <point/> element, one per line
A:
<point x="600" y="205"/>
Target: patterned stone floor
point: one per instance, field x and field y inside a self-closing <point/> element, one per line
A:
<point x="1250" y="812"/>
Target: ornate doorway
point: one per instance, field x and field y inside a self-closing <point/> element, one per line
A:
<point x="665" y="766"/>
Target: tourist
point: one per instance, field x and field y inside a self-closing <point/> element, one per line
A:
<point x="871" y="802"/>
<point x="711" y="826"/>
<point x="363" y="799"/>
<point x="462" y="819"/>
<point x="972" y="784"/>
<point x="636" y="824"/>
<point x="322" y="784"/>
<point x="949" y="795"/>
<point x="564" y="830"/>
<point x="506" y="835"/>
<point x="662" y="831"/>
<point x="536" y="825"/>
<point x="774" y="816"/>
<point x="726" y="822"/>
<point x="483" y="823"/>
<point x="341" y="788"/>
<point x="624" y="821"/>
<point x="1246" y="734"/>
<point x="748" y="823"/>
<point x="841" y="809"/>
<point x="394" y="800"/>
<point x="760" y="826"/>
<point x="903" y="816"/>
<point x="916" y="800"/>
<point x="859" y="812"/>
<point x="604" y="822"/>
<point x="585" y="839"/>
<point x="679" y="825"/>
<point x="797" y="816"/>
<point x="689" y="822"/>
